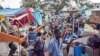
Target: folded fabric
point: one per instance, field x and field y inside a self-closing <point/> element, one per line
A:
<point x="69" y="38"/>
<point x="86" y="26"/>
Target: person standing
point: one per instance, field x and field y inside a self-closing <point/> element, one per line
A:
<point x="39" y="45"/>
<point x="24" y="49"/>
<point x="55" y="46"/>
<point x="32" y="38"/>
<point x="13" y="49"/>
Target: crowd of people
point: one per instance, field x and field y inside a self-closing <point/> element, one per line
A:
<point x="61" y="31"/>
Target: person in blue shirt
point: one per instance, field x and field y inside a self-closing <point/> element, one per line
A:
<point x="32" y="36"/>
<point x="80" y="29"/>
<point x="55" y="46"/>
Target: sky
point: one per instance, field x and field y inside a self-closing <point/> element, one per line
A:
<point x="10" y="3"/>
<point x="17" y="3"/>
<point x="95" y="1"/>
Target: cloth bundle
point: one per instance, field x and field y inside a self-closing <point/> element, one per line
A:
<point x="88" y="30"/>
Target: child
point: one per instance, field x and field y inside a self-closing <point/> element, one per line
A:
<point x="13" y="48"/>
<point x="24" y="51"/>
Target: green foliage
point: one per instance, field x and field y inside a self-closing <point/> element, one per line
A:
<point x="30" y="3"/>
<point x="83" y="3"/>
<point x="57" y="4"/>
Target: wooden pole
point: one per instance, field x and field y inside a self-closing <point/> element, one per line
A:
<point x="0" y="26"/>
<point x="28" y="18"/>
<point x="18" y="29"/>
<point x="73" y="25"/>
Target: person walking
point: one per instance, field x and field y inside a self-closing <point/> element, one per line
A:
<point x="55" y="46"/>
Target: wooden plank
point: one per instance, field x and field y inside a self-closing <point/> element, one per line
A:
<point x="9" y="38"/>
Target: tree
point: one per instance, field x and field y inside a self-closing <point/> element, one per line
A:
<point x="30" y="3"/>
<point x="82" y="3"/>
<point x="57" y="4"/>
<point x="1" y="7"/>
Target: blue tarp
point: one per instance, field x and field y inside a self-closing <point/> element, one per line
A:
<point x="9" y="11"/>
<point x="38" y="16"/>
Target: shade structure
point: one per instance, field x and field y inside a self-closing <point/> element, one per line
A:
<point x="22" y="17"/>
<point x="38" y="17"/>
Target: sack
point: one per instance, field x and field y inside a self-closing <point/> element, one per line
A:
<point x="94" y="42"/>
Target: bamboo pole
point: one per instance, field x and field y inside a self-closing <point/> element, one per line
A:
<point x="0" y="27"/>
<point x="73" y="26"/>
<point x="18" y="30"/>
<point x="28" y="19"/>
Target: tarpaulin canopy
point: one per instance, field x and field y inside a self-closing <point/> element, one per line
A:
<point x="38" y="17"/>
<point x="23" y="16"/>
<point x="20" y="14"/>
<point x="20" y="17"/>
<point x="9" y="11"/>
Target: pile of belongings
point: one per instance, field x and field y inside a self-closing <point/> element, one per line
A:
<point x="94" y="41"/>
<point x="95" y="19"/>
<point x="93" y="48"/>
<point x="88" y="30"/>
